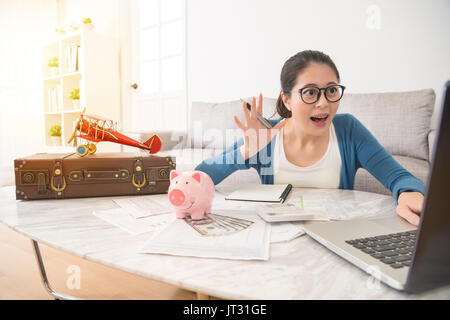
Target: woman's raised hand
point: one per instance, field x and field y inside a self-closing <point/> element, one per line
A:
<point x="256" y="135"/>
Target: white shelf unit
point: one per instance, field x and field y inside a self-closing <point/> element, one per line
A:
<point x="97" y="77"/>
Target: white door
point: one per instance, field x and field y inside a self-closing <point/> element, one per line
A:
<point x="153" y="65"/>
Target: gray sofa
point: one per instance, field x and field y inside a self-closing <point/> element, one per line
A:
<point x="399" y="120"/>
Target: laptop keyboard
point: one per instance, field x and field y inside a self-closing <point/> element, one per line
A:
<point x="394" y="249"/>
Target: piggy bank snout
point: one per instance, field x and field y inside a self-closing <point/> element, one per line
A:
<point x="177" y="197"/>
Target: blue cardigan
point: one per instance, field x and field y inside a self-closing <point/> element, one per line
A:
<point x="358" y="149"/>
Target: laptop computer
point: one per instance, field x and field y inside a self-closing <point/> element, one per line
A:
<point x="404" y="257"/>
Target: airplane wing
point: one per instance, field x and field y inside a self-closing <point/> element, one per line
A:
<point x="90" y="138"/>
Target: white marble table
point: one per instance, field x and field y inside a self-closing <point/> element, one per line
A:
<point x="298" y="269"/>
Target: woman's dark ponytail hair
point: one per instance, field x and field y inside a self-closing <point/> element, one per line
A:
<point x="292" y="67"/>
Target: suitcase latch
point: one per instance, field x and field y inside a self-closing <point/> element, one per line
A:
<point x="151" y="176"/>
<point x="150" y="173"/>
<point x="138" y="179"/>
<point x="41" y="184"/>
<point x="57" y="182"/>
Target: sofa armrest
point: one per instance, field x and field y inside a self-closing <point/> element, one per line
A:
<point x="171" y="139"/>
<point x="431" y="138"/>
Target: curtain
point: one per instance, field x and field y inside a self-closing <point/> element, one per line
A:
<point x="24" y="26"/>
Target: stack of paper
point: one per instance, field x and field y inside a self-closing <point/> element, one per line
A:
<point x="137" y="215"/>
<point x="351" y="209"/>
<point x="140" y="207"/>
<point x="261" y="193"/>
<point x="225" y="234"/>
<point x="120" y="218"/>
<point x="284" y="231"/>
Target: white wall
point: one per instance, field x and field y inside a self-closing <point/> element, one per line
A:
<point x="237" y="48"/>
<point x="24" y="25"/>
<point x="104" y="14"/>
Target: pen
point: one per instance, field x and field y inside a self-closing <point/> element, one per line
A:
<point x="263" y="120"/>
<point x="286" y="193"/>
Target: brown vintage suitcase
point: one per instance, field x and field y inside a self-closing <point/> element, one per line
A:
<point x="59" y="176"/>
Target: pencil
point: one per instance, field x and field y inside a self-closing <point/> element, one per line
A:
<point x="263" y="120"/>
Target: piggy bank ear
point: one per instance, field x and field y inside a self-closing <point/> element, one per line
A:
<point x="196" y="176"/>
<point x="173" y="174"/>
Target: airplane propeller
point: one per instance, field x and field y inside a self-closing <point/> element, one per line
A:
<point x="75" y="128"/>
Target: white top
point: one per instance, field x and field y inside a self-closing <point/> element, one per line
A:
<point x="325" y="173"/>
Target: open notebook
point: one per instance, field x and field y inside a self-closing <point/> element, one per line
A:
<point x="261" y="192"/>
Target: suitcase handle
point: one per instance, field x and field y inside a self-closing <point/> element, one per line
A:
<point x="120" y="174"/>
<point x="77" y="176"/>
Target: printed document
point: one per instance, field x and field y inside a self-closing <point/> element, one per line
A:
<point x="144" y="206"/>
<point x="260" y="192"/>
<point x="227" y="234"/>
<point x="284" y="231"/>
<point x="120" y="218"/>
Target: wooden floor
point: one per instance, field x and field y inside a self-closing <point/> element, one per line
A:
<point x="20" y="277"/>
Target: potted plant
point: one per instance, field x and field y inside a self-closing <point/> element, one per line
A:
<point x="59" y="31"/>
<point x="75" y="96"/>
<point x="87" y="23"/>
<point x="73" y="27"/>
<point x="53" y="64"/>
<point x="55" y="135"/>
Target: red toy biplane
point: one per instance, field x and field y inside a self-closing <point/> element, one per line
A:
<point x="97" y="129"/>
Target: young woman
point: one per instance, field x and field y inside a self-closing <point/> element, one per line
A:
<point x="314" y="147"/>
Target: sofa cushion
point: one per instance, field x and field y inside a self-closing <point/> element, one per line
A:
<point x="241" y="177"/>
<point x="171" y="139"/>
<point x="187" y="159"/>
<point x="399" y="120"/>
<point x="431" y="143"/>
<point x="212" y="124"/>
<point x="364" y="181"/>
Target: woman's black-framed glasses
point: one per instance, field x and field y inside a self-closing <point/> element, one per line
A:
<point x="311" y="94"/>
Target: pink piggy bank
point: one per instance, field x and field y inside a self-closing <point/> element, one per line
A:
<point x="191" y="192"/>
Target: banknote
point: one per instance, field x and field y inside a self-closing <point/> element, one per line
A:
<point x="218" y="225"/>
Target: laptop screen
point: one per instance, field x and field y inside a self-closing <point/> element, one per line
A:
<point x="431" y="263"/>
